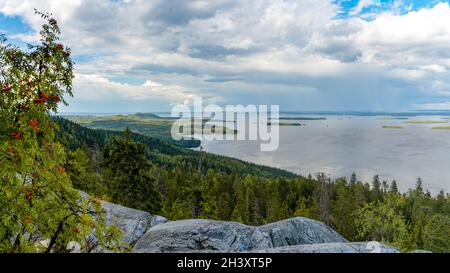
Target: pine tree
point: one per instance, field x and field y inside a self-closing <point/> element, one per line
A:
<point x="129" y="173"/>
<point x="353" y="179"/>
<point x="436" y="234"/>
<point x="322" y="195"/>
<point x="377" y="194"/>
<point x="385" y="187"/>
<point x="240" y="211"/>
<point x="419" y="185"/>
<point x="83" y="177"/>
<point x="307" y="208"/>
<point x="383" y="222"/>
<point x="344" y="209"/>
<point x="394" y="187"/>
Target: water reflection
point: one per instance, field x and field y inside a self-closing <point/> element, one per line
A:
<point x="341" y="145"/>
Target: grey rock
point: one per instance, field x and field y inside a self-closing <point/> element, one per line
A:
<point x="208" y="235"/>
<point x="420" y="251"/>
<point x="298" y="231"/>
<point x="133" y="223"/>
<point x="364" y="247"/>
<point x="157" y="220"/>
<point x="202" y="235"/>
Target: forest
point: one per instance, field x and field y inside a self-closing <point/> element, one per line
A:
<point x="45" y="160"/>
<point x="131" y="170"/>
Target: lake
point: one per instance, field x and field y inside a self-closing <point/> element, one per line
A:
<point x="341" y="145"/>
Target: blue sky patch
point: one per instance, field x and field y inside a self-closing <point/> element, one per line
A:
<point x="349" y="7"/>
<point x="12" y="25"/>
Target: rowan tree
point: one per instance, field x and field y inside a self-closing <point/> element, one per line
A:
<point x="39" y="209"/>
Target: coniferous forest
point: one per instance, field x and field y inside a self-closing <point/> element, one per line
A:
<point x="147" y="174"/>
<point x="45" y="159"/>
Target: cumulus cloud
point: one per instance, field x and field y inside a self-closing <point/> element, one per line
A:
<point x="362" y="4"/>
<point x="110" y="90"/>
<point x="298" y="53"/>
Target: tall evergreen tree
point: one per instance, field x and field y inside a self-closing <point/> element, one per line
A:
<point x="322" y="195"/>
<point x="377" y="193"/>
<point x="129" y="174"/>
<point x="394" y="188"/>
<point x="344" y="210"/>
<point x="79" y="166"/>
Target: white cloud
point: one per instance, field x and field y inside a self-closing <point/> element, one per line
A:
<point x="106" y="89"/>
<point x="435" y="106"/>
<point x="222" y="48"/>
<point x="362" y="4"/>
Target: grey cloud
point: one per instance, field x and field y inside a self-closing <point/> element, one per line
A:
<point x="226" y="79"/>
<point x="164" y="69"/>
<point x="181" y="12"/>
<point x="237" y="48"/>
<point x="217" y="52"/>
<point x="340" y="51"/>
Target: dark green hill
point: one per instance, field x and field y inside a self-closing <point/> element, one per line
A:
<point x="73" y="136"/>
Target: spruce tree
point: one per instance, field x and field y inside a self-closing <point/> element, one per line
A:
<point x="129" y="174"/>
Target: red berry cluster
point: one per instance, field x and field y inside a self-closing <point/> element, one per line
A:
<point x="6" y="89"/>
<point x="34" y="123"/>
<point x="59" y="47"/>
<point x="12" y="151"/>
<point x="28" y="195"/>
<point x="55" y="99"/>
<point x="42" y="98"/>
<point x="16" y="135"/>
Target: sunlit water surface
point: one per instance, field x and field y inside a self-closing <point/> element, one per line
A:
<point x="341" y="145"/>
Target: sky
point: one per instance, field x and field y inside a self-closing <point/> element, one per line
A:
<point x="309" y="55"/>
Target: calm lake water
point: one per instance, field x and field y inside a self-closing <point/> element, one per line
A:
<point x="341" y="145"/>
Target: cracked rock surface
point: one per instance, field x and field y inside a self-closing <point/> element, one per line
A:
<point x="156" y="234"/>
<point x="361" y="247"/>
<point x="209" y="235"/>
<point x="134" y="223"/>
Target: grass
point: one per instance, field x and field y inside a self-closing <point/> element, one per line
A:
<point x="441" y="128"/>
<point x="426" y="121"/>
<point x="392" y="127"/>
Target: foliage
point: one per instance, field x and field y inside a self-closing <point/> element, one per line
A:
<point x="149" y="125"/>
<point x="383" y="221"/>
<point x="128" y="175"/>
<point x="197" y="185"/>
<point x="161" y="153"/>
<point x="39" y="209"/>
<point x="85" y="172"/>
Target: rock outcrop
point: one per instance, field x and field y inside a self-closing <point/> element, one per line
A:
<point x="362" y="247"/>
<point x="156" y="234"/>
<point x="200" y="235"/>
<point x="298" y="231"/>
<point x="134" y="223"/>
<point x="208" y="235"/>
